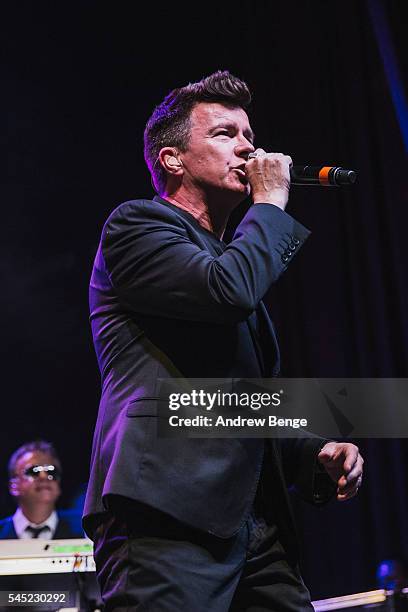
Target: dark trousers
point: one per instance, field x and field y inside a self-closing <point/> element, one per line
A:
<point x="147" y="561"/>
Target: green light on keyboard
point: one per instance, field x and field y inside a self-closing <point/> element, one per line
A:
<point x="71" y="550"/>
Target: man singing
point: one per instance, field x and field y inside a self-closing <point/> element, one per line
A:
<point x="198" y="524"/>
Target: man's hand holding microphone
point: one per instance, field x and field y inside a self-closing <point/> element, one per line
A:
<point x="269" y="177"/>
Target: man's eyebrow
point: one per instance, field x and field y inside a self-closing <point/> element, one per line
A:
<point x="248" y="133"/>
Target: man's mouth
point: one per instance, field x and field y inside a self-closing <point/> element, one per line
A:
<point x="241" y="173"/>
<point x="43" y="487"/>
<point x="240" y="169"/>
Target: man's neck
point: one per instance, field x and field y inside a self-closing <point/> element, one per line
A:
<point x="37" y="514"/>
<point x="210" y="216"/>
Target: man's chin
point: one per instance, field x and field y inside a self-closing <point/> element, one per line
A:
<point x="241" y="185"/>
<point x="46" y="496"/>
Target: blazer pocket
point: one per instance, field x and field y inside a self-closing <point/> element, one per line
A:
<point x="144" y="406"/>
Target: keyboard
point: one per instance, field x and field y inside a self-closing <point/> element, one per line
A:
<point x="46" y="556"/>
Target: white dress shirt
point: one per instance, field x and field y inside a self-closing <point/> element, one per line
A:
<point x="21" y="522"/>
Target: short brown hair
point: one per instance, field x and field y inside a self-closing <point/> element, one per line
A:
<point x="30" y="447"/>
<point x="169" y="125"/>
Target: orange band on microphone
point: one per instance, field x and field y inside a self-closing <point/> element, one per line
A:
<point x="324" y="175"/>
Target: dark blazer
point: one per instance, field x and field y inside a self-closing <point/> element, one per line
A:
<point x="68" y="526"/>
<point x="167" y="298"/>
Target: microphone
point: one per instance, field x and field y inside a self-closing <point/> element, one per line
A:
<point x="326" y="176"/>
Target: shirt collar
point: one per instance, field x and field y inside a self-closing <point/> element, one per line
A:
<point x="20" y="522"/>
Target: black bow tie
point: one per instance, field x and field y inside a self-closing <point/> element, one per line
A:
<point x="35" y="531"/>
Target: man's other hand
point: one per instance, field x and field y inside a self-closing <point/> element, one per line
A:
<point x="344" y="464"/>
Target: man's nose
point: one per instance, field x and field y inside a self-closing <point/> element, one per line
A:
<point x="244" y="148"/>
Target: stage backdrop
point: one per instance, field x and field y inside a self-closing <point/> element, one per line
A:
<point x="329" y="84"/>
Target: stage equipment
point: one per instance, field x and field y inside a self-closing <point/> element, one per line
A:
<point x="50" y="566"/>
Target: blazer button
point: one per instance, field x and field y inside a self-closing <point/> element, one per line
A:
<point x="292" y="246"/>
<point x="288" y="253"/>
<point x="285" y="258"/>
<point x="296" y="241"/>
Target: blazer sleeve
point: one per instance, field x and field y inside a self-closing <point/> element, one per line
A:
<point x="302" y="470"/>
<point x="157" y="267"/>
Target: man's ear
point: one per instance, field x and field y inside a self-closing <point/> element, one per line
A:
<point x="169" y="158"/>
<point x="13" y="487"/>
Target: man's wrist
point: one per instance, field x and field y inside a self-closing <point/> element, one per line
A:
<point x="276" y="203"/>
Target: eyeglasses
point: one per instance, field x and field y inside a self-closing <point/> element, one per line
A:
<point x="34" y="471"/>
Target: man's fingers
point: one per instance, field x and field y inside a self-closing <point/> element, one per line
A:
<point x="352" y="482"/>
<point x="325" y="456"/>
<point x="356" y="471"/>
<point x="261" y="153"/>
<point x="350" y="491"/>
<point x="257" y="153"/>
<point x="351" y="459"/>
<point x="344" y="464"/>
<point x="340" y="455"/>
<point x="269" y="177"/>
<point x="349" y="495"/>
<point x="328" y="451"/>
<point x="344" y="485"/>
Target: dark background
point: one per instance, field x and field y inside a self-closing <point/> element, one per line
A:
<point x="79" y="81"/>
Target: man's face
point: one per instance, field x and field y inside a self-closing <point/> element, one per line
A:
<point x="221" y="139"/>
<point x="35" y="490"/>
